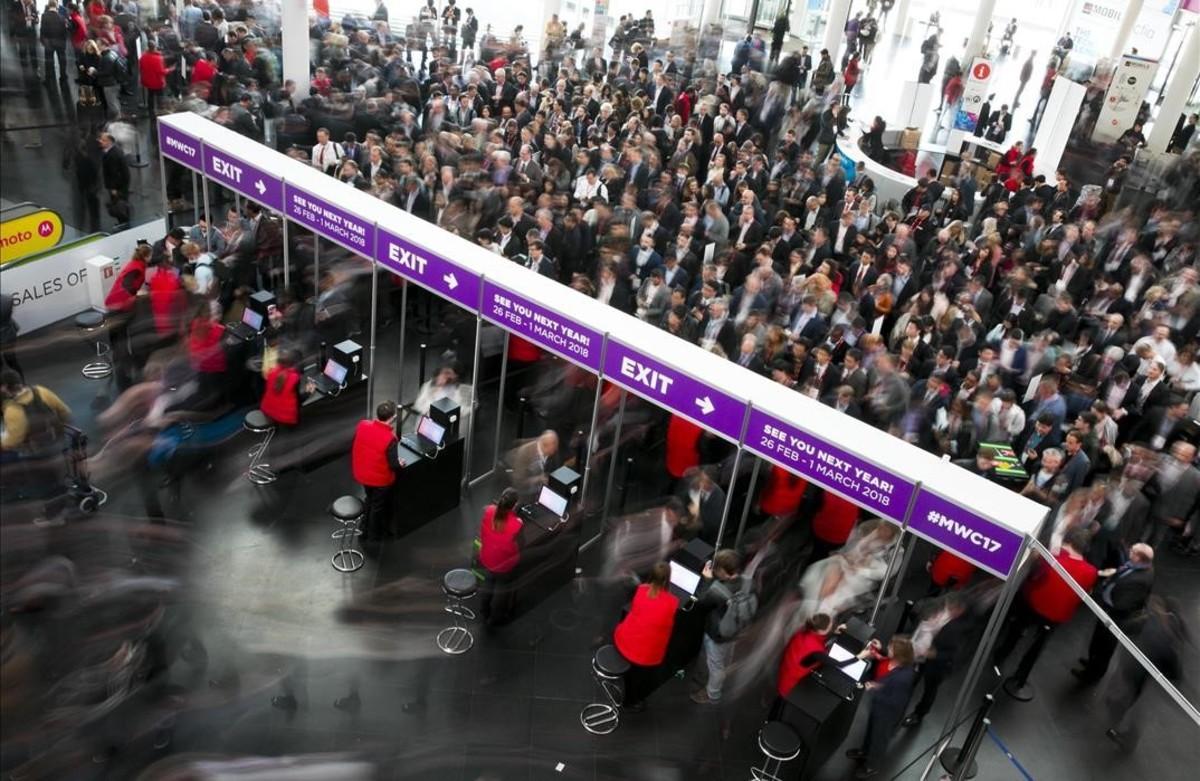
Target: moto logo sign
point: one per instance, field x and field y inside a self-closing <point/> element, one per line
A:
<point x="985" y="542"/>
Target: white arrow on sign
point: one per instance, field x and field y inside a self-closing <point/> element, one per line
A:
<point x="450" y="280"/>
<point x="705" y="404"/>
<point x="262" y="188"/>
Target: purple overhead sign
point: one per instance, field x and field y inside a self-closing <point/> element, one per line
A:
<point x="671" y="388"/>
<point x="544" y="327"/>
<point x="862" y="482"/>
<point x="238" y="175"/>
<point x="433" y="272"/>
<point x="962" y="532"/>
<point x="335" y="224"/>
<point x="180" y="147"/>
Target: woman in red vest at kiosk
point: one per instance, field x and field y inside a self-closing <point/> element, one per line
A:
<point x="806" y="651"/>
<point x="832" y="525"/>
<point x="499" y="554"/>
<point x="285" y="390"/>
<point x="121" y="302"/>
<point x="374" y="460"/>
<point x="782" y="493"/>
<point x="206" y="349"/>
<point x="949" y="571"/>
<point x="168" y="300"/>
<point x="643" y="634"/>
<point x="683" y="448"/>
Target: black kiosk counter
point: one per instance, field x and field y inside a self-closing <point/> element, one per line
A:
<point x="428" y="486"/>
<point x="549" y="542"/>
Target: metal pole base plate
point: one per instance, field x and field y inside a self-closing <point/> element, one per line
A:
<point x="261" y="474"/>
<point x="97" y="370"/>
<point x="1021" y="692"/>
<point x="950" y="759"/>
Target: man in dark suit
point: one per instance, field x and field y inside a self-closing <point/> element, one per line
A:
<point x="508" y="243"/>
<point x="717" y="328"/>
<point x="1122" y="593"/>
<point x="1162" y="425"/>
<point x="841" y="236"/>
<point x="705" y="500"/>
<point x="537" y="260"/>
<point x="532" y="463"/>
<point x="809" y="323"/>
<point x="412" y="200"/>
<point x="116" y="178"/>
<point x="862" y="272"/>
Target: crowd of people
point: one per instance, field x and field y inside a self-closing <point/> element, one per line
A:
<point x="973" y="316"/>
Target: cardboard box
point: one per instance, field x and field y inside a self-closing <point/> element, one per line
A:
<point x="911" y="138"/>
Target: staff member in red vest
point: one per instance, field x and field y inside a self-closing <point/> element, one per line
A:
<point x="499" y="553"/>
<point x="806" y="651"/>
<point x="782" y="494"/>
<point x="206" y="350"/>
<point x="683" y="448"/>
<point x="375" y="460"/>
<point x="832" y="524"/>
<point x="643" y="634"/>
<point x="285" y="390"/>
<point x="1047" y="599"/>
<point x="121" y="302"/>
<point x="168" y="300"/>
<point x="948" y="571"/>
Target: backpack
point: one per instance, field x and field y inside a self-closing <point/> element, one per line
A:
<point x="740" y="608"/>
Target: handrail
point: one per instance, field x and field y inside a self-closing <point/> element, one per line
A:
<point x="1103" y="617"/>
<point x="21" y="205"/>
<point x="53" y="250"/>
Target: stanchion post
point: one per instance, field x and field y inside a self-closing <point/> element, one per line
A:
<point x="521" y="404"/>
<point x="737" y="462"/>
<point x="424" y="348"/>
<point x="612" y="465"/>
<point x="591" y="432"/>
<point x="1017" y="686"/>
<point x="471" y="402"/>
<point x="371" y="349"/>
<point x="625" y="484"/>
<point x="891" y="568"/>
<point x="961" y="762"/>
<point x="737" y="541"/>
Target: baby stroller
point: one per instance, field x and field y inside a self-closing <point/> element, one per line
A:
<point x="80" y="491"/>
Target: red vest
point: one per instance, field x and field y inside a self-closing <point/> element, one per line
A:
<point x="947" y="566"/>
<point x="498" y="550"/>
<point x="282" y="406"/>
<point x="368" y="457"/>
<point x="791" y="671"/>
<point x="522" y="351"/>
<point x="119" y="299"/>
<point x="1050" y="597"/>
<point x="167" y="301"/>
<point x="836" y="519"/>
<point x="782" y="493"/>
<point x="643" y="635"/>
<point x="683" y="445"/>
<point x="205" y="347"/>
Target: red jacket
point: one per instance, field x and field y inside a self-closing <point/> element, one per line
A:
<point x="154" y="71"/>
<point x="498" y="550"/>
<point x="947" y="566"/>
<point x="125" y="288"/>
<point x="203" y="70"/>
<point x="1050" y="596"/>
<point x="642" y="636"/>
<point x="282" y="405"/>
<point x="368" y="456"/>
<point x="791" y="671"/>
<point x="79" y="33"/>
<point x="683" y="445"/>
<point x="168" y="302"/>
<point x="782" y="493"/>
<point x="522" y="351"/>
<point x="205" y="347"/>
<point x="835" y="520"/>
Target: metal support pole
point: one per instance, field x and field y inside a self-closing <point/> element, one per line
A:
<point x="207" y="216"/>
<point x="612" y="464"/>
<point x="499" y="408"/>
<point x="195" y="199"/>
<point x="287" y="256"/>
<point x="469" y="445"/>
<point x="237" y="203"/>
<point x="908" y="554"/>
<point x="162" y="175"/>
<point x="983" y="652"/>
<point x="371" y="350"/>
<point x="961" y="762"/>
<point x="737" y="541"/>
<point x="316" y="273"/>
<point x="737" y="462"/>
<point x="891" y="568"/>
<point x="403" y="329"/>
<point x="591" y="433"/>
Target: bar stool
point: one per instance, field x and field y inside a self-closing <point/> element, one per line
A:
<point x="348" y="511"/>
<point x="88" y="323"/>
<point x="259" y="472"/>
<point x="608" y="668"/>
<point x="458" y="584"/>
<point x="779" y="743"/>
